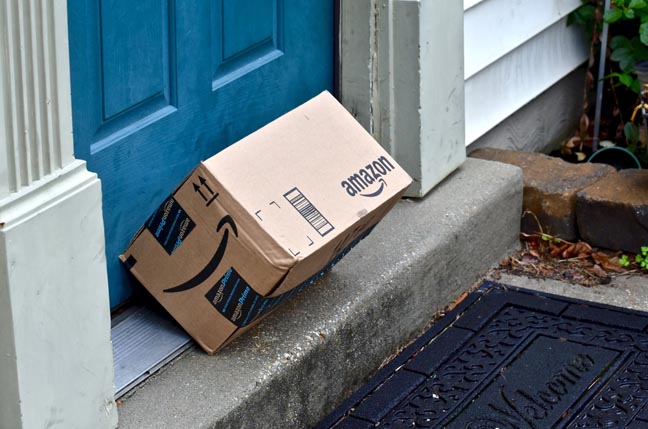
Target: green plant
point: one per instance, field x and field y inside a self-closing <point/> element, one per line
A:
<point x="642" y="258"/>
<point x="629" y="48"/>
<point x="624" y="261"/>
<point x="627" y="45"/>
<point x="550" y="238"/>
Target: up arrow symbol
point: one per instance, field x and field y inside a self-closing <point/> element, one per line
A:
<point x="198" y="189"/>
<point x="203" y="182"/>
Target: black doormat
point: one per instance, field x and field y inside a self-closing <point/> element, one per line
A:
<point x="509" y="358"/>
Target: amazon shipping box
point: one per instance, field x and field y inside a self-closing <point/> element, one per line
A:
<point x="264" y="218"/>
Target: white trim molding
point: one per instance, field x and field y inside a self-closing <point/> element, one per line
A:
<point x="402" y="77"/>
<point x="35" y="124"/>
<point x="56" y="361"/>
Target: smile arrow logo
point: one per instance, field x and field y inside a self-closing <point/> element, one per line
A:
<point x="379" y="191"/>
<point x="213" y="263"/>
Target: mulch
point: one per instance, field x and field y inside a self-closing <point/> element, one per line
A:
<point x="548" y="257"/>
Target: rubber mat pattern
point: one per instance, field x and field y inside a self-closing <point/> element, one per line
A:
<point x="509" y="358"/>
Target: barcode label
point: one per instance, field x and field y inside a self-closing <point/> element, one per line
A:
<point x="308" y="211"/>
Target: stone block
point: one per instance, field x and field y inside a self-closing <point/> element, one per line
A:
<point x="613" y="212"/>
<point x="550" y="188"/>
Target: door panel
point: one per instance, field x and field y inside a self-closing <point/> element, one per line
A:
<point x="158" y="85"/>
<point x="244" y="39"/>
<point x="137" y="73"/>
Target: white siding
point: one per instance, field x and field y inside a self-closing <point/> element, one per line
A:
<point x="514" y="50"/>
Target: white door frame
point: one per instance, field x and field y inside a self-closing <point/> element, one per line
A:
<point x="402" y="76"/>
<point x="56" y="358"/>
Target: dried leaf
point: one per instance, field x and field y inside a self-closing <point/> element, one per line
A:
<point x="528" y="259"/>
<point x="599" y="256"/>
<point x="459" y="300"/>
<point x="598" y="271"/>
<point x="583" y="248"/>
<point x="569" y="252"/>
<point x="609" y="264"/>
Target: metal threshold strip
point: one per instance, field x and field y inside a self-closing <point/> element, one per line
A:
<point x="144" y="340"/>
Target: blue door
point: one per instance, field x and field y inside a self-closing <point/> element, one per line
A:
<point x="158" y="85"/>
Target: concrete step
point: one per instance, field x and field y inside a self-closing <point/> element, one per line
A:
<point x="307" y="357"/>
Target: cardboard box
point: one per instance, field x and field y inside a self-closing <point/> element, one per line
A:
<point x="264" y="218"/>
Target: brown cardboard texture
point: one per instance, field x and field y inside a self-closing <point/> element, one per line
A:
<point x="262" y="219"/>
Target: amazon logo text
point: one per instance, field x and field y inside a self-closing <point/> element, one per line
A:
<point x="368" y="181"/>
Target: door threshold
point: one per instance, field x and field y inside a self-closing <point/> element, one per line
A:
<point x="143" y="340"/>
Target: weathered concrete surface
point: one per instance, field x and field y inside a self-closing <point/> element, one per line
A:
<point x="550" y="187"/>
<point x="624" y="291"/>
<point x="613" y="212"/>
<point x="303" y="360"/>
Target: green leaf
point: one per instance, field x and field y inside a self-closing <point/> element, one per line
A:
<point x="625" y="56"/>
<point x="643" y="33"/>
<point x="629" y="13"/>
<point x="623" y="261"/>
<point x="621" y="53"/>
<point x="644" y="250"/>
<point x="584" y="16"/>
<point x="637" y="4"/>
<point x="619" y="41"/>
<point x="625" y="79"/>
<point x="612" y="15"/>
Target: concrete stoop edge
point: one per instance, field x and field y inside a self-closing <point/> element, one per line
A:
<point x="314" y="351"/>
